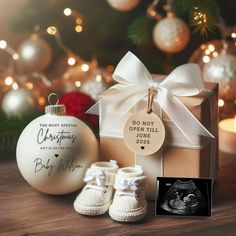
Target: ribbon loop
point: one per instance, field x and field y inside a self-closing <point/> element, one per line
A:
<point x="133" y="184"/>
<point x="95" y="175"/>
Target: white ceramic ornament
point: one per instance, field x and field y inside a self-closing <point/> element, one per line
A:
<point x="35" y="54"/>
<point x="123" y="5"/>
<point x="18" y="103"/>
<point x="222" y="70"/>
<point x="171" y="34"/>
<point x="54" y="151"/>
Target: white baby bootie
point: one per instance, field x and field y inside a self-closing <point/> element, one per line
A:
<point x="129" y="203"/>
<point x="96" y="196"/>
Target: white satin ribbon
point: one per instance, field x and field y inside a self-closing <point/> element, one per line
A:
<point x="95" y="175"/>
<point x="134" y="80"/>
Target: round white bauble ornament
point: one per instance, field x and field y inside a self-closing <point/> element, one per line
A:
<point x="171" y="34"/>
<point x="54" y="151"/>
<point x="35" y="54"/>
<point x="123" y="5"/>
<point x="18" y="103"/>
<point x="222" y="70"/>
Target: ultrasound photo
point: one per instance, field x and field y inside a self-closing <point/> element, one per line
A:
<point x="184" y="196"/>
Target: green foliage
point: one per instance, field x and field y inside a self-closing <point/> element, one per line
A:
<point x="188" y="8"/>
<point x="140" y="30"/>
<point x="10" y="130"/>
<point x="105" y="30"/>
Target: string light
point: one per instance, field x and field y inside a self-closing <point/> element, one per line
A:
<point x="215" y="54"/>
<point x="221" y="102"/>
<point x="98" y="78"/>
<point x="211" y="47"/>
<point x="77" y="83"/>
<point x="8" y="80"/>
<point x="85" y="67"/>
<point x="207" y="51"/>
<point x="15" y="86"/>
<point x="200" y="18"/>
<point x="67" y="11"/>
<point x="78" y="28"/>
<point x="206" y="59"/>
<point x="233" y="35"/>
<point x="52" y="30"/>
<point x="3" y="44"/>
<point x="79" y="21"/>
<point x="151" y="10"/>
<point x="15" y="56"/>
<point x="9" y="50"/>
<point x="29" y="85"/>
<point x="41" y="101"/>
<point x="71" y="61"/>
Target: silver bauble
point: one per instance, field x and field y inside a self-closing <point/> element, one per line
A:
<point x="123" y="5"/>
<point x="222" y="70"/>
<point x="94" y="86"/>
<point x="35" y="54"/>
<point x="18" y="103"/>
<point x="209" y="50"/>
<point x="171" y="34"/>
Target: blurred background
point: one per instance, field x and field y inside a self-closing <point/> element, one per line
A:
<point x="72" y="47"/>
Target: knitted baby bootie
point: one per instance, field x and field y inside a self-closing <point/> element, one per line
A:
<point x="96" y="196"/>
<point x="129" y="203"/>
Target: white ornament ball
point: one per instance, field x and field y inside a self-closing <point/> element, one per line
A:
<point x="35" y="54"/>
<point x="123" y="5"/>
<point x="54" y="151"/>
<point x="18" y="103"/>
<point x="222" y="70"/>
<point x="171" y="35"/>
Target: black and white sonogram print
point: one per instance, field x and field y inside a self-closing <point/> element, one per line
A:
<point x="184" y="196"/>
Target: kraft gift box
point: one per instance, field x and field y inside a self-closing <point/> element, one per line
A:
<point x="177" y="157"/>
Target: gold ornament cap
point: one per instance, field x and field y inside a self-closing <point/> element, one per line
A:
<point x="55" y="109"/>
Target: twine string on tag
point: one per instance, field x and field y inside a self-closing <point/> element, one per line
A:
<point x="151" y="93"/>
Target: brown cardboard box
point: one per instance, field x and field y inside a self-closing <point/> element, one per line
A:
<point x="175" y="161"/>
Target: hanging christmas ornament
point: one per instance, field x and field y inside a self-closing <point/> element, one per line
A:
<point x="77" y="104"/>
<point x="19" y="103"/>
<point x="123" y="5"/>
<point x="61" y="149"/>
<point x="171" y="34"/>
<point x="35" y="54"/>
<point x="95" y="85"/>
<point x="222" y="70"/>
<point x="209" y="50"/>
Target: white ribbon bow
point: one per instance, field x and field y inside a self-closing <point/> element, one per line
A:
<point x="134" y="80"/>
<point x="134" y="184"/>
<point x="95" y="175"/>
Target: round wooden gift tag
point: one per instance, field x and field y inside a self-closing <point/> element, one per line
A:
<point x="144" y="133"/>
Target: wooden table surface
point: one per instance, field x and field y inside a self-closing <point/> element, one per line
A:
<point x="25" y="211"/>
